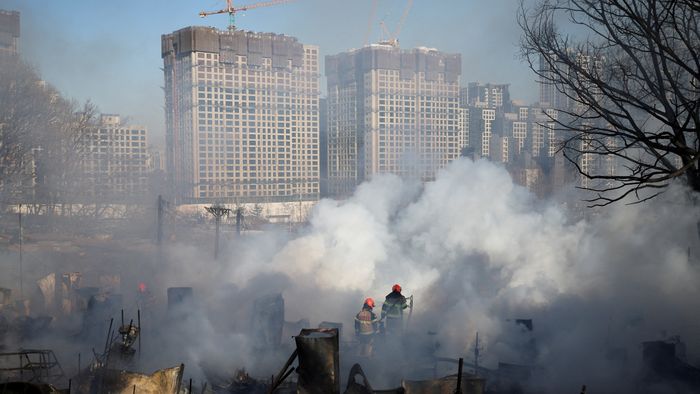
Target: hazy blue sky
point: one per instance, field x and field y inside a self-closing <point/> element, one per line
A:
<point x="109" y="51"/>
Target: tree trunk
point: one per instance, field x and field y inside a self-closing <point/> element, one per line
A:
<point x="693" y="177"/>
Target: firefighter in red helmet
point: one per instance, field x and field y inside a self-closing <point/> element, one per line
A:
<point x="366" y="326"/>
<point x="392" y="310"/>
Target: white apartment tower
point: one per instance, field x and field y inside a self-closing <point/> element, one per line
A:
<point x="115" y="163"/>
<point x="242" y="116"/>
<point x="391" y="111"/>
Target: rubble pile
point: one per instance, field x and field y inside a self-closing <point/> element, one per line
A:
<point x="62" y="305"/>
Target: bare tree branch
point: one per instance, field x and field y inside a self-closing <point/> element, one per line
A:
<point x="628" y="78"/>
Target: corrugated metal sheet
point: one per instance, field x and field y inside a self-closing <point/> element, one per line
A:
<point x="319" y="364"/>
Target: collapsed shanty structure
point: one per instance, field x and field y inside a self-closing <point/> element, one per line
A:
<point x="318" y="371"/>
<point x="107" y="380"/>
<point x="664" y="361"/>
<point x="314" y="365"/>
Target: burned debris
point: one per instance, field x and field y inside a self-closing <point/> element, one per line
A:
<point x="298" y="357"/>
<point x="32" y="366"/>
<point x="106" y="380"/>
<point x="664" y="362"/>
<point x="314" y="358"/>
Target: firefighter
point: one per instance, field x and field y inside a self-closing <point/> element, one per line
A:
<point x="366" y="325"/>
<point x="392" y="311"/>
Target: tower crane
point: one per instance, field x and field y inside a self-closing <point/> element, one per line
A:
<point x="231" y="10"/>
<point x="392" y="38"/>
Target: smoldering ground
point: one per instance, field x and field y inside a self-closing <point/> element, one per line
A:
<point x="477" y="252"/>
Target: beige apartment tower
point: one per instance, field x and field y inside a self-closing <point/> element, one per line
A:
<point x="242" y="116"/>
<point x="391" y="111"/>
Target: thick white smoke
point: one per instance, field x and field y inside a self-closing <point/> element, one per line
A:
<point x="478" y="251"/>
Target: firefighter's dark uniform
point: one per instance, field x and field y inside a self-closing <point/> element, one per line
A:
<point x="392" y="312"/>
<point x="366" y="326"/>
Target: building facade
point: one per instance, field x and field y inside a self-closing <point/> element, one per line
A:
<point x="560" y="100"/>
<point x="242" y="116"/>
<point x="323" y="146"/>
<point x="551" y="95"/>
<point x="483" y="123"/>
<point x="115" y="161"/>
<point x="391" y="111"/>
<point x="9" y="33"/>
<point x="484" y="106"/>
<point x="486" y="95"/>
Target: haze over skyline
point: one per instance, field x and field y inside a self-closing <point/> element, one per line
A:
<point x="109" y="52"/>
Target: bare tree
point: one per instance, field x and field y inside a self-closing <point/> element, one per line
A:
<point x="42" y="140"/>
<point x="65" y="145"/>
<point x="629" y="75"/>
<point x="23" y="111"/>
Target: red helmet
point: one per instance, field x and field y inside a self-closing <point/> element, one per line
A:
<point x="369" y="302"/>
<point x="396" y="288"/>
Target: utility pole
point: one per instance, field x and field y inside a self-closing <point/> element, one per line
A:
<point x="218" y="212"/>
<point x="477" y="350"/>
<point x="159" y="230"/>
<point x="162" y="204"/>
<point x="239" y="220"/>
<point x="459" y="376"/>
<point x="21" y="274"/>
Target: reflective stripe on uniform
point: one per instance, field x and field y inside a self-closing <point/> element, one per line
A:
<point x="393" y="310"/>
<point x="364" y="318"/>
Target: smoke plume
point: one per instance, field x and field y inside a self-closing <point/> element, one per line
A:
<point x="477" y="252"/>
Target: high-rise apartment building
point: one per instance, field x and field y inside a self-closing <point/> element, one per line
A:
<point x="556" y="98"/>
<point x="543" y="129"/>
<point x="242" y="116"/>
<point x="323" y="146"/>
<point x="9" y="33"/>
<point x="488" y="95"/>
<point x="391" y="111"/>
<point x="463" y="131"/>
<point x="115" y="162"/>
<point x="519" y="128"/>
<point x="484" y="106"/>
<point x="551" y="95"/>
<point x="483" y="122"/>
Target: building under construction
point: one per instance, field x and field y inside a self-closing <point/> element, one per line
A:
<point x="9" y="33"/>
<point x="391" y="111"/>
<point x="242" y="116"/>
